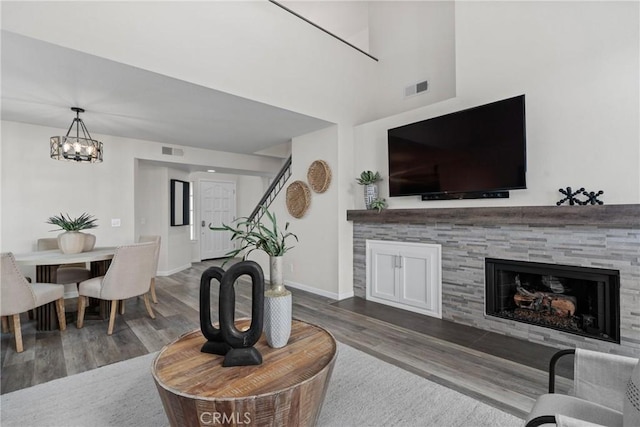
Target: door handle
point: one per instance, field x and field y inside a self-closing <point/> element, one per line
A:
<point x="203" y="223"/>
<point x="397" y="261"/>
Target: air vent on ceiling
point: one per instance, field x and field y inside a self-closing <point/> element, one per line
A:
<point x="416" y="88"/>
<point x="172" y="151"/>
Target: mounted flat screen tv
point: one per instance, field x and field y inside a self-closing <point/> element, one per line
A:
<point x="475" y="153"/>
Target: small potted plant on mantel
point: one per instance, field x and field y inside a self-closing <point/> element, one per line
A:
<point x="72" y="241"/>
<point x="369" y="179"/>
<point x="256" y="235"/>
<point x="379" y="204"/>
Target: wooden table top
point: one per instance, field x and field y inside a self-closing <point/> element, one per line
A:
<point x="182" y="368"/>
<point x="56" y="257"/>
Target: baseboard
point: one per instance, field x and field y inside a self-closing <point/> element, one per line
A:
<point x="174" y="270"/>
<point x="320" y="292"/>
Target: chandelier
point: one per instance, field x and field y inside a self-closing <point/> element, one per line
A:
<point x="75" y="147"/>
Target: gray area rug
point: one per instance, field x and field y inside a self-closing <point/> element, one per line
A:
<point x="363" y="391"/>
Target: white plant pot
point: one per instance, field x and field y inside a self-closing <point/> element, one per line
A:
<point x="277" y="318"/>
<point x="89" y="242"/>
<point x="277" y="306"/>
<point x="370" y="194"/>
<point x="71" y="242"/>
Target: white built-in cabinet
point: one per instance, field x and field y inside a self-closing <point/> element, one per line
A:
<point x="406" y="275"/>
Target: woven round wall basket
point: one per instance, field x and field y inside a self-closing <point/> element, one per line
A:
<point x="319" y="176"/>
<point x="298" y="198"/>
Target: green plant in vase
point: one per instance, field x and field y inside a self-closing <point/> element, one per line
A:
<point x="72" y="241"/>
<point x="369" y="179"/>
<point x="66" y="223"/>
<point x="379" y="204"/>
<point x="254" y="235"/>
<point x="269" y="238"/>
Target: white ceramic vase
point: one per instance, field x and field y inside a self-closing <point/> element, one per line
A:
<point x="370" y="194"/>
<point x="277" y="319"/>
<point x="277" y="307"/>
<point x="71" y="242"/>
<point x="89" y="242"/>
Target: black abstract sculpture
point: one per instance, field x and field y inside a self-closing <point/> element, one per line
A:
<point x="592" y="198"/>
<point x="569" y="196"/>
<point x="236" y="346"/>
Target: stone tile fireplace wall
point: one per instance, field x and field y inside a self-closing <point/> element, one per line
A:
<point x="587" y="236"/>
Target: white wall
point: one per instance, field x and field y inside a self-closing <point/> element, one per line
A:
<point x="178" y="242"/>
<point x="414" y="41"/>
<point x="151" y="183"/>
<point x="313" y="263"/>
<point x="35" y="187"/>
<point x="578" y="65"/>
<point x="250" y="190"/>
<point x="348" y="20"/>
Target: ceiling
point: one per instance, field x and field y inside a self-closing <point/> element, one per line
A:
<point x="41" y="81"/>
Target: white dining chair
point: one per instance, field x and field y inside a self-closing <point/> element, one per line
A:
<point x="155" y="239"/>
<point x="69" y="274"/>
<point x="128" y="276"/>
<point x="17" y="296"/>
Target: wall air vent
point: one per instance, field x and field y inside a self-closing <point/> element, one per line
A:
<point x="416" y="88"/>
<point x="172" y="151"/>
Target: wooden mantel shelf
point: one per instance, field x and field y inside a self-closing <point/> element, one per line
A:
<point x="627" y="216"/>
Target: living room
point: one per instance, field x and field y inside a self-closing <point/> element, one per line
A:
<point x="576" y="62"/>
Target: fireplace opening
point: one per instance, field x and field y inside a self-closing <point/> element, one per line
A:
<point x="579" y="300"/>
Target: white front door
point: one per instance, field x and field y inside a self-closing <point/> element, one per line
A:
<point x="217" y="207"/>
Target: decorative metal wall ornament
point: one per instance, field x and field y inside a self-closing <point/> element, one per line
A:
<point x="570" y="196"/>
<point x="593" y="198"/>
<point x="236" y="346"/>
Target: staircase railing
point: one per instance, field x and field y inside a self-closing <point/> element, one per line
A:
<point x="272" y="191"/>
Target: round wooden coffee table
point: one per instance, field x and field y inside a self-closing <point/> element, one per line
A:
<point x="287" y="389"/>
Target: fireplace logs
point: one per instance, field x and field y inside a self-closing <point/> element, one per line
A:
<point x="575" y="299"/>
<point x="551" y="302"/>
<point x="556" y="304"/>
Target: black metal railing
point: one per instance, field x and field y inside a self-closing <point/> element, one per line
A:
<point x="323" y="29"/>
<point x="272" y="191"/>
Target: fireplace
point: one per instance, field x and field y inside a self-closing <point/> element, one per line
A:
<point x="578" y="300"/>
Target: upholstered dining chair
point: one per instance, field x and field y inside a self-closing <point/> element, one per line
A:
<point x="155" y="239"/>
<point x="17" y="296"/>
<point x="128" y="276"/>
<point x="69" y="274"/>
<point x="605" y="392"/>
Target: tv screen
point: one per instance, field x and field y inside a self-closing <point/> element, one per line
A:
<point x="481" y="149"/>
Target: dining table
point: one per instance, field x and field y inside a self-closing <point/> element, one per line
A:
<point x="47" y="263"/>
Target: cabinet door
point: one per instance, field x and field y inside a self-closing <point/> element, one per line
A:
<point x="405" y="275"/>
<point x="415" y="274"/>
<point x="383" y="274"/>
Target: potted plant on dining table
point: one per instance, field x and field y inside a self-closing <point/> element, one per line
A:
<point x="72" y="240"/>
<point x="252" y="234"/>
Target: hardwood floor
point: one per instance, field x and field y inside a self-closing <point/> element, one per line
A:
<point x="504" y="372"/>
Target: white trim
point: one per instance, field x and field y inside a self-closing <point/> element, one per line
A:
<point x="317" y="291"/>
<point x="173" y="270"/>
